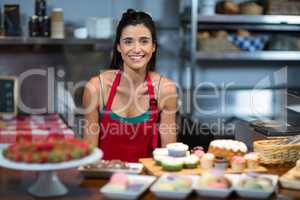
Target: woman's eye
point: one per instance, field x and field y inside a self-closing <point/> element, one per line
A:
<point x="127" y="41"/>
<point x="145" y="41"/>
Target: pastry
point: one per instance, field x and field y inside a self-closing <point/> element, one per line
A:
<point x="238" y="163"/>
<point x="191" y="161"/>
<point x="159" y="154"/>
<point x="177" y="149"/>
<point x="172" y="164"/>
<point x="207" y="161"/>
<point x="227" y="7"/>
<point x="252" y="160"/>
<point x="160" y="151"/>
<point x="251" y="8"/>
<point x="227" y="148"/>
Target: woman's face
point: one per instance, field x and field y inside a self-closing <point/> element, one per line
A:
<point x="136" y="46"/>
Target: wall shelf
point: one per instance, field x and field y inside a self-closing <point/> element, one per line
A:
<point x="251" y="19"/>
<point x="99" y="43"/>
<point x="258" y="55"/>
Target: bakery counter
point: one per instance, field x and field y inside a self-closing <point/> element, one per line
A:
<point x="14" y="185"/>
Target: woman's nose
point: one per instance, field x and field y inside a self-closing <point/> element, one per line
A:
<point x="137" y="47"/>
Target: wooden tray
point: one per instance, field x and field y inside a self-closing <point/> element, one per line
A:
<point x="156" y="170"/>
<point x="287" y="180"/>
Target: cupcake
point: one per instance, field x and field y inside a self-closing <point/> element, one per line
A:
<point x="198" y="151"/>
<point x="177" y="149"/>
<point x="158" y="159"/>
<point x="160" y="152"/>
<point x="221" y="163"/>
<point x="238" y="163"/>
<point x="191" y="161"/>
<point x="172" y="164"/>
<point x="252" y="160"/>
<point x="207" y="161"/>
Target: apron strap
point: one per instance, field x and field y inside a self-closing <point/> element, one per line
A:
<point x="152" y="100"/>
<point x="154" y="112"/>
<point x="113" y="91"/>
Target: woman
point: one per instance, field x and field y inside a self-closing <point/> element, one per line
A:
<point x="132" y="109"/>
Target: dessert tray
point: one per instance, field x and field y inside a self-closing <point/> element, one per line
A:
<point x="156" y="170"/>
<point x="105" y="168"/>
<point x="138" y="185"/>
<point x="48" y="183"/>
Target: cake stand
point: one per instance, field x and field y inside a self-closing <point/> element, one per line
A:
<point x="48" y="183"/>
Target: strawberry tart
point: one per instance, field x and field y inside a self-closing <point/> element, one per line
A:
<point x="51" y="151"/>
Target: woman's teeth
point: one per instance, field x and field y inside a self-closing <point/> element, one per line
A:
<point x="136" y="58"/>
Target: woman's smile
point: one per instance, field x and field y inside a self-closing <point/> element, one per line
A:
<point x="136" y="58"/>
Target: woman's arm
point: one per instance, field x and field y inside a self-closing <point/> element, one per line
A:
<point x="168" y="104"/>
<point x="91" y="105"/>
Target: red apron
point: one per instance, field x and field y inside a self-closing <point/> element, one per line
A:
<point x="128" y="141"/>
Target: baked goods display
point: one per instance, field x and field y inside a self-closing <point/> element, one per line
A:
<point x="52" y="151"/>
<point x="227" y="148"/>
<point x="227" y="155"/>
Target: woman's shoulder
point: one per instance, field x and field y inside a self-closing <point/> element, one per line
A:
<point x="102" y="78"/>
<point x="165" y="86"/>
<point x="108" y="74"/>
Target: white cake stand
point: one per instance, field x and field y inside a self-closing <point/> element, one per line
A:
<point x="48" y="183"/>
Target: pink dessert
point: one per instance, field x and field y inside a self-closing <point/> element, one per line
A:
<point x="119" y="179"/>
<point x="199" y="153"/>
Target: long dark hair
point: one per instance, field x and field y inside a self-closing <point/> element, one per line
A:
<point x="132" y="17"/>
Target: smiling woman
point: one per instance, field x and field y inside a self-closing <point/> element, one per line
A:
<point x="131" y="110"/>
